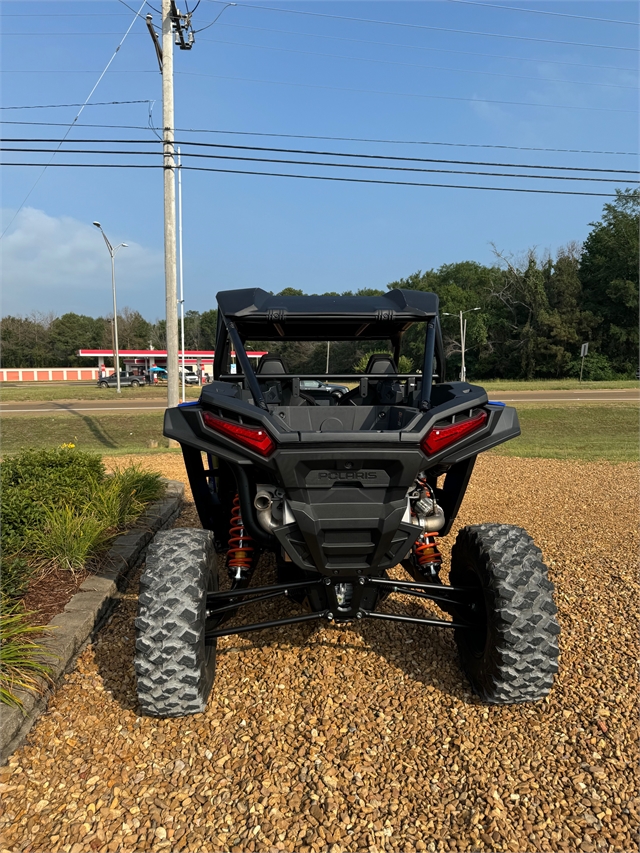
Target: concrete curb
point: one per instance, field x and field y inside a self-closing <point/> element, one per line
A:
<point x="84" y="615"/>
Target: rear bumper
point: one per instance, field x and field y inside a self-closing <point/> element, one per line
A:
<point x="346" y="490"/>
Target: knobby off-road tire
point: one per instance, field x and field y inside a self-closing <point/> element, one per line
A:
<point x="512" y="654"/>
<point x="175" y="669"/>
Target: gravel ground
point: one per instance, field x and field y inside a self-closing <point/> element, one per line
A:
<point x="365" y="738"/>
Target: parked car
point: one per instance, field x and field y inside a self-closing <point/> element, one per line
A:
<point x="160" y="374"/>
<point x="190" y="377"/>
<point x="322" y="390"/>
<point x="127" y="380"/>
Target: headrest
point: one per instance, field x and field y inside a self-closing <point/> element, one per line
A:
<point x="271" y="365"/>
<point x="380" y="362"/>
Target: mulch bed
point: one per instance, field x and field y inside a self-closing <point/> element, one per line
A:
<point x="49" y="591"/>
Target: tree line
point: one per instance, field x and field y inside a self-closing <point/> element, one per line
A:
<point x="535" y="312"/>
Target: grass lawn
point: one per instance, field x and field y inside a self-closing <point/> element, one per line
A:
<point x="108" y="432"/>
<point x="44" y="392"/>
<point x="575" y="431"/>
<point x="552" y="384"/>
<point x="555" y="430"/>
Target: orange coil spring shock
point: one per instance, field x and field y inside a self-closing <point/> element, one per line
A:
<point x="241" y="548"/>
<point x="427" y="552"/>
<point x="426" y="548"/>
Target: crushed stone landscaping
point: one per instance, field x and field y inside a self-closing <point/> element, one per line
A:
<point x="364" y="737"/>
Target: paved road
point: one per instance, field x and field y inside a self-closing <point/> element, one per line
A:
<point x="617" y="395"/>
<point x="61" y="407"/>
<point x="626" y="395"/>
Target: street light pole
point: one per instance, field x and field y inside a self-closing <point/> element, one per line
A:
<point x="463" y="339"/>
<point x="112" y="251"/>
<point x="463" y="335"/>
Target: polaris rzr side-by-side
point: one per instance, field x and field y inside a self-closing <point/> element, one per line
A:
<point x="340" y="489"/>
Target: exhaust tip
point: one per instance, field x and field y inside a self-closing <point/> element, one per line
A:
<point x="262" y="500"/>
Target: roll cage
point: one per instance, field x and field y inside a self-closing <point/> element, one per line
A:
<point x="256" y="314"/>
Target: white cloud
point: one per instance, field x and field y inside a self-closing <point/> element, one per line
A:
<point x="59" y="264"/>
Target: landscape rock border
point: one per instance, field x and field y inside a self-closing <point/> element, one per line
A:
<point x="86" y="612"/>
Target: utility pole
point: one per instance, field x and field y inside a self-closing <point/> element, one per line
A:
<point x="180" y="271"/>
<point x="170" y="266"/>
<point x="173" y="23"/>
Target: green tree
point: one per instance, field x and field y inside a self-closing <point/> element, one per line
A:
<point x="134" y="332"/>
<point x="208" y="325"/>
<point x="459" y="287"/>
<point x="71" y="332"/>
<point x="25" y="341"/>
<point x="405" y="364"/>
<point x="192" y="330"/>
<point x="291" y="291"/>
<point x="609" y="276"/>
<point x="159" y="334"/>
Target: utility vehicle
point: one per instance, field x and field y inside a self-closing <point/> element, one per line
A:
<point x="340" y="491"/>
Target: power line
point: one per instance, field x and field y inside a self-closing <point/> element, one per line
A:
<point x="351" y="155"/>
<point x="344" y="89"/>
<point x="427" y="27"/>
<point x="84" y="71"/>
<point x="57" y="106"/>
<point x="544" y="12"/>
<point x="333" y="138"/>
<point x="407" y="94"/>
<point x="319" y="178"/>
<point x="48" y="34"/>
<point x="475" y="72"/>
<point x="82" y="106"/>
<point x="417" y="65"/>
<point x="357" y="41"/>
<point x="131" y="9"/>
<point x="64" y="15"/>
<point x="282" y="161"/>
<point x="422" y="47"/>
<point x="206" y="27"/>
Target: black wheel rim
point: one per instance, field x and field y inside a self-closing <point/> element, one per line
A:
<point x="476" y="614"/>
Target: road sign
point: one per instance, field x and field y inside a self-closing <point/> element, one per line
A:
<point x="584" y="350"/>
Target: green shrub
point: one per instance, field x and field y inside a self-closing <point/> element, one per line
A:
<point x="60" y="509"/>
<point x="22" y="659"/>
<point x="15" y="577"/>
<point x="597" y="368"/>
<point x="67" y="538"/>
<point x="35" y="479"/>
<point x="122" y="497"/>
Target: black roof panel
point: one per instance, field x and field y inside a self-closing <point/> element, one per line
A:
<point x="261" y="316"/>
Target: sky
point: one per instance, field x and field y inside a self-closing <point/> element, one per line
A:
<point x="445" y="80"/>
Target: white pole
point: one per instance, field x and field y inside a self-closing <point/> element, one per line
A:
<point x="115" y="319"/>
<point x="462" y="331"/>
<point x="328" y="345"/>
<point x="180" y="267"/>
<point x="171" y="306"/>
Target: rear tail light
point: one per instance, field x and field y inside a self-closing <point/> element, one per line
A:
<point x="440" y="437"/>
<point x="255" y="438"/>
